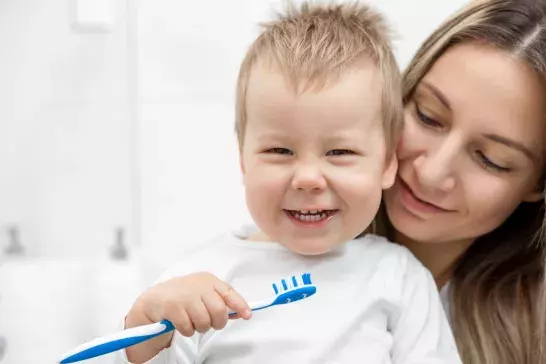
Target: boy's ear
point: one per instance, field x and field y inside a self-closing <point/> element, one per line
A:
<point x="389" y="172"/>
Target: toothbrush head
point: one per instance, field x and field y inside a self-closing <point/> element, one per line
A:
<point x="294" y="289"/>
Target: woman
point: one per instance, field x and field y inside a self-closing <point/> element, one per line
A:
<point x="468" y="199"/>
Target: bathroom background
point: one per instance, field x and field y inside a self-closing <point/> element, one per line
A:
<point x="117" y="152"/>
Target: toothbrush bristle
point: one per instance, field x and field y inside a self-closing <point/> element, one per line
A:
<point x="293" y="289"/>
<point x="292" y="283"/>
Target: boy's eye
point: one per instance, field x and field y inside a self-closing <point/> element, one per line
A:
<point x="279" y="151"/>
<point x="337" y="152"/>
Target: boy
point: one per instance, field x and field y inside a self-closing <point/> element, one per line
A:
<point x="318" y="117"/>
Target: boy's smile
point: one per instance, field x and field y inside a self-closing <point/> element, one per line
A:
<point x="311" y="218"/>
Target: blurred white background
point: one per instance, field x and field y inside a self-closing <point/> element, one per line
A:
<point x="116" y="126"/>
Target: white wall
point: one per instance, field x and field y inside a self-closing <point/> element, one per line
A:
<point x="64" y="130"/>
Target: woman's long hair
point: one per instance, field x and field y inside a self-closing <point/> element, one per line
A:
<point x="498" y="297"/>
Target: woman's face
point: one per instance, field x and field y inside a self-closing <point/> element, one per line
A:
<point x="472" y="146"/>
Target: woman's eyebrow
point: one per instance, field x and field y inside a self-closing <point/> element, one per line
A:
<point x="512" y="144"/>
<point x="436" y="92"/>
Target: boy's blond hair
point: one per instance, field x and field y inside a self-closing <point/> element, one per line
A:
<point x="314" y="43"/>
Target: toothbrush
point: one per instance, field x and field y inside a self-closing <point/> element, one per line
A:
<point x="291" y="290"/>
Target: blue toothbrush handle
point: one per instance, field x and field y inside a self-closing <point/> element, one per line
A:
<point x="118" y="341"/>
<point x="129" y="337"/>
<point x="136" y="335"/>
<point x="256" y="306"/>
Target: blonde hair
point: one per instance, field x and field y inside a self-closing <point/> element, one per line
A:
<point x="314" y="43"/>
<point x="498" y="296"/>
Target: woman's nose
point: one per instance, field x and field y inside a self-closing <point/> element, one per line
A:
<point x="434" y="169"/>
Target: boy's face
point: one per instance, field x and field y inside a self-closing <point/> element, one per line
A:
<point x="314" y="164"/>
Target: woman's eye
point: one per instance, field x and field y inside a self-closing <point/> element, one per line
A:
<point x="279" y="151"/>
<point x="337" y="152"/>
<point x="490" y="165"/>
<point x="425" y="120"/>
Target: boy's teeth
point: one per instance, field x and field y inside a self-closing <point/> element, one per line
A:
<point x="308" y="211"/>
<point x="309" y="216"/>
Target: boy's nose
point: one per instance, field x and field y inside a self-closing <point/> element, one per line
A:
<point x="309" y="178"/>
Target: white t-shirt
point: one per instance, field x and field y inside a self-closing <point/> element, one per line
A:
<point x="375" y="304"/>
<point x="446" y="303"/>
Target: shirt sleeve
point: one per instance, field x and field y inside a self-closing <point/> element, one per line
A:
<point x="182" y="350"/>
<point x="422" y="334"/>
<point x="161" y="358"/>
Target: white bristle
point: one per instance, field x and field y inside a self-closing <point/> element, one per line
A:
<point x="290" y="283"/>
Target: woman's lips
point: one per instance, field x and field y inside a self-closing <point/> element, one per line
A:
<point x="414" y="203"/>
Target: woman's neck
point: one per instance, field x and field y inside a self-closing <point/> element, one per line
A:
<point x="439" y="258"/>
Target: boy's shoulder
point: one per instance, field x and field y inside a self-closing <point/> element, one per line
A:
<point x="389" y="265"/>
<point x="210" y="251"/>
<point x="380" y="246"/>
<point x="219" y="254"/>
<point x="388" y="257"/>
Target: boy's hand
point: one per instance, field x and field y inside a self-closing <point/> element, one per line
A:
<point x="196" y="302"/>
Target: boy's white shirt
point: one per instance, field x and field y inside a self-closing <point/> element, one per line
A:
<point x="445" y="298"/>
<point x="375" y="303"/>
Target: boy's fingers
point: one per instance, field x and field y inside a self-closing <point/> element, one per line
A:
<point x="183" y="324"/>
<point x="233" y="300"/>
<point x="217" y="309"/>
<point x="199" y="316"/>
